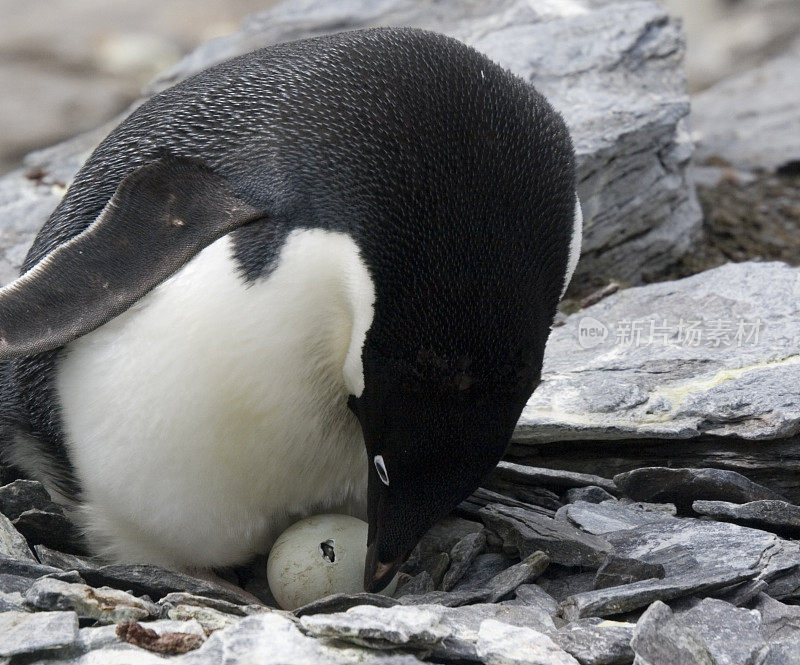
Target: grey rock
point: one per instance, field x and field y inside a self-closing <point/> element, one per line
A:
<point x="628" y="597"/>
<point x="535" y="595"/>
<point x="435" y="564"/>
<point x="417" y="585"/>
<point x="455" y="598"/>
<point x="658" y="639"/>
<point x="443" y="535"/>
<point x="21" y="632"/>
<point x="780" y="654"/>
<point x="750" y="120"/>
<point x="709" y="544"/>
<point x="530" y="496"/>
<point x="484" y="568"/>
<point x="732" y="635"/>
<point x="22" y="495"/>
<point x="501" y="644"/>
<point x="49" y="527"/>
<point x="770" y="515"/>
<point x="156" y="582"/>
<point x="483" y="497"/>
<point x="443" y="632"/>
<point x="209" y="618"/>
<point x="567" y="583"/>
<point x="341" y="602"/>
<point x="56" y="559"/>
<point x="12" y="601"/>
<point x="462" y="554"/>
<point x="553" y="478"/>
<point x="779" y="622"/>
<point x="12" y="544"/>
<point x="591" y="494"/>
<point x="782" y="571"/>
<point x="19" y="574"/>
<point x="607" y="517"/>
<point x="102" y="604"/>
<point x="180" y="598"/>
<point x="676" y="559"/>
<point x="505" y="583"/>
<point x="597" y="642"/>
<point x="671" y="388"/>
<point x="526" y="532"/>
<point x="684" y="486"/>
<point x="615" y="571"/>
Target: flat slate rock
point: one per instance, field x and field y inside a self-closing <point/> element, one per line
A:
<point x="684" y="486"/>
<point x="622" y="599"/>
<point x="417" y="585"/>
<point x="483" y="568"/>
<point x="733" y="635"/>
<point x="526" y="532"/>
<point x="278" y="640"/>
<point x="597" y="641"/>
<point x="779" y="622"/>
<point x="535" y="595"/>
<point x="501" y="644"/>
<point x="615" y="571"/>
<point x="12" y="543"/>
<point x="682" y="544"/>
<point x="712" y="633"/>
<point x="721" y="361"/>
<point x="607" y="517"/>
<point x="156" y="582"/>
<point x="21" y="632"/>
<point x="567" y="583"/>
<point x="50" y="528"/>
<point x="102" y="604"/>
<point x="554" y="478"/>
<point x="441" y="631"/>
<point x="462" y="554"/>
<point x="770" y="515"/>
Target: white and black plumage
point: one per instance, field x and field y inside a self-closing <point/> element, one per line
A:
<point x="316" y="277"/>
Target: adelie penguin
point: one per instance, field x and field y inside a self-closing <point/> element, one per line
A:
<point x="315" y="278"/>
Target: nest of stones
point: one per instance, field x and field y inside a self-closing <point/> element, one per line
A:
<point x="538" y="566"/>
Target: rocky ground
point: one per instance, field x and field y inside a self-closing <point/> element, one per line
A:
<point x="649" y="510"/>
<point x="657" y="565"/>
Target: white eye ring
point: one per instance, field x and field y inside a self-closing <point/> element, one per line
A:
<point x="380" y="467"/>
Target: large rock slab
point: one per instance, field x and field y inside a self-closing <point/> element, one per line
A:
<point x="750" y="120"/>
<point x="21" y="632"/>
<point x="446" y="633"/>
<point x="614" y="68"/>
<point x="717" y="354"/>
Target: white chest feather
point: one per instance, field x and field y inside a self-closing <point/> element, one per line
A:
<point x="212" y="413"/>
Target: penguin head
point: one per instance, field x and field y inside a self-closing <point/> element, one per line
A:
<point x="432" y="431"/>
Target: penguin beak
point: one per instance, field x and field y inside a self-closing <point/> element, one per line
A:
<point x="378" y="574"/>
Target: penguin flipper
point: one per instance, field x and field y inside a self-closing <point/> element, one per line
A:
<point x="161" y="216"/>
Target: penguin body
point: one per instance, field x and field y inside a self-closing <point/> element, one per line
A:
<point x="316" y="277"/>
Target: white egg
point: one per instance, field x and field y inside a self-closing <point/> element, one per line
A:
<point x="319" y="556"/>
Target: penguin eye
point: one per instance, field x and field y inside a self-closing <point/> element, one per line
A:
<point x="380" y="467"/>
